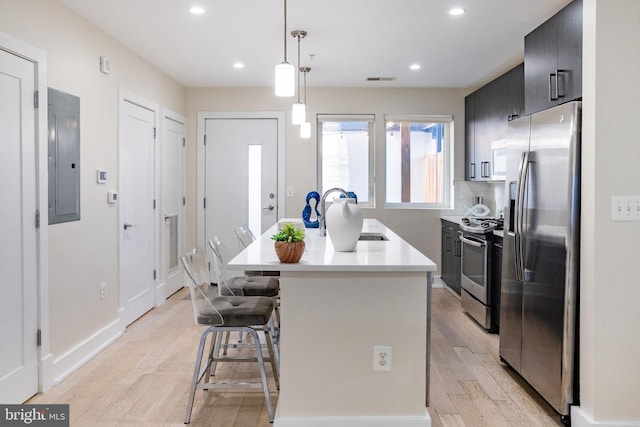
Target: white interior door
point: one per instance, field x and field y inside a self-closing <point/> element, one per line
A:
<point x="241" y="176"/>
<point x="18" y="250"/>
<point x="136" y="224"/>
<point x="173" y="146"/>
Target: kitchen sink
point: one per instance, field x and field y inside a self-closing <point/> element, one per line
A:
<point x="373" y="236"/>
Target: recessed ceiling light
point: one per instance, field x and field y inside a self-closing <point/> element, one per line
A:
<point x="238" y="65"/>
<point x="196" y="10"/>
<point x="457" y="11"/>
<point x="415" y="66"/>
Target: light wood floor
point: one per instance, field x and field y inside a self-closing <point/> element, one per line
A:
<point x="142" y="378"/>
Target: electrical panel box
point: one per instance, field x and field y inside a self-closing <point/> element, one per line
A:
<point x="64" y="157"/>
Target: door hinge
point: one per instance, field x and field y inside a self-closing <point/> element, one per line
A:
<point x="205" y="139"/>
<point x="184" y="141"/>
<point x="204" y="203"/>
<point x="37" y="218"/>
<point x="154" y="275"/>
<point x="184" y="201"/>
<point x="36" y="99"/>
<point x="154" y="204"/>
<point x="154" y="133"/>
<point x="39" y="338"/>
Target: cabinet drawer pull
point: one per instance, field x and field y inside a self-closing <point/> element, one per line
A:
<point x="553" y="86"/>
<point x="472" y="170"/>
<point x="560" y="82"/>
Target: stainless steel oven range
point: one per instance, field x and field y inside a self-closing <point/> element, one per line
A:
<point x="478" y="297"/>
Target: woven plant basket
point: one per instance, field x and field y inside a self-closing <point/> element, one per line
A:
<point x="289" y="252"/>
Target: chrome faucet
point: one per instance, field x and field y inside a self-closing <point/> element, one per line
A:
<point x="322" y="221"/>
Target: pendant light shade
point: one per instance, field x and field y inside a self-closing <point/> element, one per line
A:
<point x="305" y="130"/>
<point x="305" y="127"/>
<point x="285" y="79"/>
<point x="298" y="115"/>
<point x="285" y="72"/>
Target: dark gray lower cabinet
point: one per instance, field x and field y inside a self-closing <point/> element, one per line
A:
<point x="451" y="253"/>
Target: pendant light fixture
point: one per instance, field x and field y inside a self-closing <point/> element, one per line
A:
<point x="285" y="72"/>
<point x="305" y="127"/>
<point x="298" y="115"/>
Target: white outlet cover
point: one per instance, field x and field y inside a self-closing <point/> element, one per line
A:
<point x="625" y="208"/>
<point x="382" y="358"/>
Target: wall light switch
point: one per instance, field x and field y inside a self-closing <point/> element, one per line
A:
<point x="101" y="176"/>
<point x="290" y="192"/>
<point x="112" y="197"/>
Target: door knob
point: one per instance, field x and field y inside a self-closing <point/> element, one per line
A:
<point x="269" y="208"/>
<point x="127" y="225"/>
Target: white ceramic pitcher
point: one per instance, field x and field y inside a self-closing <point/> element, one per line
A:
<point x="344" y="224"/>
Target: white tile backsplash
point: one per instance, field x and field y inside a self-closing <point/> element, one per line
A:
<point x="491" y="192"/>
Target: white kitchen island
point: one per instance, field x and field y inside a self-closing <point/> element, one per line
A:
<point x="335" y="307"/>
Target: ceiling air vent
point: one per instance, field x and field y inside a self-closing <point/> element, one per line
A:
<point x="380" y="79"/>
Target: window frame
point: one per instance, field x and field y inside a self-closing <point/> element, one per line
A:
<point x="447" y="161"/>
<point x="371" y="119"/>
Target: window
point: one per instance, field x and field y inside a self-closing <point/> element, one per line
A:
<point x="345" y="153"/>
<point x="418" y="161"/>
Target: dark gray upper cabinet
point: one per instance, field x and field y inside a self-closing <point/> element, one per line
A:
<point x="487" y="112"/>
<point x="553" y="60"/>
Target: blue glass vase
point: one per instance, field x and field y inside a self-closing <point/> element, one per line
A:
<point x="307" y="211"/>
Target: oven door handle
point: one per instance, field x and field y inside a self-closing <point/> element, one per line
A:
<point x="472" y="242"/>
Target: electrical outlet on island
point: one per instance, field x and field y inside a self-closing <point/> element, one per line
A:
<point x="382" y="358"/>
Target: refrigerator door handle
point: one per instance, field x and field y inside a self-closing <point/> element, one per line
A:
<point x="519" y="214"/>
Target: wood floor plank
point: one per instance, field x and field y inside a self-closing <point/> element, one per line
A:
<point x="490" y="386"/>
<point x="468" y="411"/>
<point x="439" y="398"/>
<point x="487" y="408"/>
<point x="452" y="420"/>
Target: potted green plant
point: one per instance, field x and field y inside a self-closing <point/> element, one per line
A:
<point x="289" y="243"/>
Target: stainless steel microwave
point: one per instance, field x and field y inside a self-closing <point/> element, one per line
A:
<point x="498" y="160"/>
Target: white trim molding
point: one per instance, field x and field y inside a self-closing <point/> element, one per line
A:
<point x="362" y="421"/>
<point x="39" y="59"/>
<point x="75" y="358"/>
<point x="579" y="418"/>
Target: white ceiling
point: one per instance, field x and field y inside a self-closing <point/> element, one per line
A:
<point x="351" y="39"/>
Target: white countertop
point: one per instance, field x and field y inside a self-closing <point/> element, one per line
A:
<point x="369" y="256"/>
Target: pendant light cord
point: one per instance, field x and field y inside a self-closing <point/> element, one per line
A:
<point x="298" y="68"/>
<point x="285" y="31"/>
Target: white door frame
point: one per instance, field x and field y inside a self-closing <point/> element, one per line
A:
<point x="161" y="292"/>
<point x="201" y="161"/>
<point x="39" y="59"/>
<point x="125" y="95"/>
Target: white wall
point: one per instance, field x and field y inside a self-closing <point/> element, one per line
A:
<point x="610" y="343"/>
<point x="421" y="228"/>
<point x="84" y="253"/>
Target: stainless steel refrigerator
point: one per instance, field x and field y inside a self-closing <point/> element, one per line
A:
<point x="539" y="295"/>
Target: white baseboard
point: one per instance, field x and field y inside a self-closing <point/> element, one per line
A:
<point x="73" y="359"/>
<point x="364" y="421"/>
<point x="579" y="418"/>
<point x="45" y="373"/>
<point x="161" y="294"/>
<point x="437" y="282"/>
